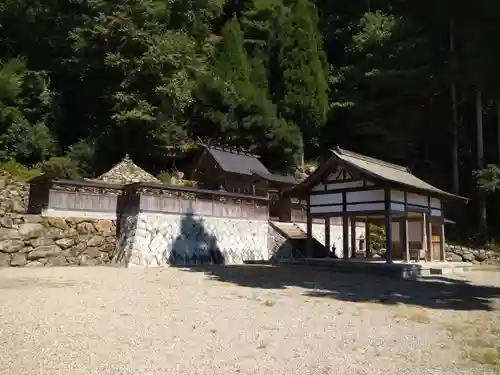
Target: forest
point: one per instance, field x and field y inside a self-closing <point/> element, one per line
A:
<point x="83" y="82"/>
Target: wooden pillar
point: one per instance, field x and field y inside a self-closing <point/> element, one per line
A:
<point x="309" y="243"/>
<point x="353" y="237"/>
<point x="442" y="243"/>
<point x="345" y="236"/>
<point x="388" y="237"/>
<point x="424" y="235"/>
<point x="388" y="226"/>
<point x="328" y="244"/>
<point x="404" y="238"/>
<point x="368" y="244"/>
<point x="430" y="255"/>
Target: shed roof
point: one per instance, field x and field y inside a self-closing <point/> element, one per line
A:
<point x="376" y="169"/>
<point x="236" y="161"/>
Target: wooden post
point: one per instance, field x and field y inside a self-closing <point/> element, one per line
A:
<point x="403" y="236"/>
<point x="442" y="244"/>
<point x="353" y="237"/>
<point x="429" y="240"/>
<point x="345" y="236"/>
<point x="424" y="236"/>
<point x="388" y="237"/>
<point x="368" y="245"/>
<point x="327" y="237"/>
<point x="309" y="231"/>
<point x="388" y="226"/>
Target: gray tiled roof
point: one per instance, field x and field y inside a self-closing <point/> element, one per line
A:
<point x="374" y="169"/>
<point x="237" y="162"/>
<point x="277" y="178"/>
<point x="386" y="171"/>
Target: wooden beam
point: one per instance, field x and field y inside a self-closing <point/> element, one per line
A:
<point x="353" y="237"/>
<point x="424" y="235"/>
<point x="442" y="243"/>
<point x="404" y="238"/>
<point x="430" y="255"/>
<point x="345" y="228"/>
<point x="328" y="244"/>
<point x="345" y="237"/>
<point x="388" y="237"/>
<point x="309" y="241"/>
<point x="368" y="245"/>
<point x="388" y="226"/>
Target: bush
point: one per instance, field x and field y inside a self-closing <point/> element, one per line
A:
<point x="165" y="177"/>
<point x="377" y="237"/>
<point x="19" y="171"/>
<point x="61" y="167"/>
<point x="169" y="179"/>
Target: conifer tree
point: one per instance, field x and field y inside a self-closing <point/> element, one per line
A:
<point x="302" y="90"/>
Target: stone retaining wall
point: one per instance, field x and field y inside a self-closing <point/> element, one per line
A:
<point x="13" y="194"/>
<point x="161" y="239"/>
<point x="456" y="253"/>
<point x="30" y="240"/>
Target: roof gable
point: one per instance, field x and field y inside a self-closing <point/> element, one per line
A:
<point x="235" y="161"/>
<point x="374" y="169"/>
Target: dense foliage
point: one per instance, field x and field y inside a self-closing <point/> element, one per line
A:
<point x="84" y="82"/>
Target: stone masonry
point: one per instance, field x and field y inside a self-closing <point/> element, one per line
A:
<point x="456" y="253"/>
<point x="155" y="240"/>
<point x="13" y="194"/>
<point x="30" y="240"/>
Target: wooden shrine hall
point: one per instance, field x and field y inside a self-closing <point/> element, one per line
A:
<point x="360" y="188"/>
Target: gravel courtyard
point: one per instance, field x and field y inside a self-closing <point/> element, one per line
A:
<point x="244" y="320"/>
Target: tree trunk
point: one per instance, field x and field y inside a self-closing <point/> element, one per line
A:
<point x="454" y="132"/>
<point x="480" y="161"/>
<point x="498" y="128"/>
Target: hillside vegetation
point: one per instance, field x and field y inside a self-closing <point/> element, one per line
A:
<point x="84" y="83"/>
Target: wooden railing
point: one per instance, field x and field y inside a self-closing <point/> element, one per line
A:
<point x="160" y="198"/>
<point x="69" y="195"/>
<point x="89" y="196"/>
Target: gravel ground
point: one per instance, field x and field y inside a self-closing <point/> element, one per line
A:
<point x="236" y="320"/>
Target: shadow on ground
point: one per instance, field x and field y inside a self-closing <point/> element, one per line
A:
<point x="432" y="292"/>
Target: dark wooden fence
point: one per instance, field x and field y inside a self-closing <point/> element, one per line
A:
<point x="160" y="198"/>
<point x="68" y="195"/>
<point x="96" y="197"/>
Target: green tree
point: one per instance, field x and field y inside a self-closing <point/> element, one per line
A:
<point x="301" y="91"/>
<point x="25" y="114"/>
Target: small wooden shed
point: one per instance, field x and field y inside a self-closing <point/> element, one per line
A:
<point x="356" y="187"/>
<point x="236" y="171"/>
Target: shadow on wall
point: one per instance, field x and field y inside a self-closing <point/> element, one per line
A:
<point x="194" y="245"/>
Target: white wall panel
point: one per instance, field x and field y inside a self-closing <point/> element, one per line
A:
<point x="397" y="195"/>
<point x="365" y="196"/>
<point x="435" y="203"/>
<point x="435" y="212"/>
<point x="326" y="199"/>
<point x="325" y="209"/>
<point x="365" y="207"/>
<point x="397" y="207"/>
<point x="345" y="185"/>
<point x="416" y="199"/>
